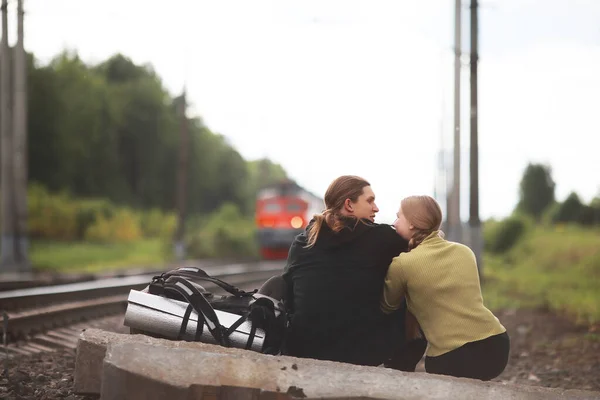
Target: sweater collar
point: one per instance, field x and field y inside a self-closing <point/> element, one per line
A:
<point x="435" y="234"/>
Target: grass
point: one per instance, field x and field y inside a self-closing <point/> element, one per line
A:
<point x="95" y="257"/>
<point x="554" y="268"/>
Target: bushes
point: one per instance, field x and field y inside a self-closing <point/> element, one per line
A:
<point x="156" y="223"/>
<point x="226" y="233"/>
<point x="501" y="236"/>
<point x="51" y="216"/>
<point x="569" y="210"/>
<point x="574" y="211"/>
<point x="124" y="226"/>
<point x="555" y="268"/>
<point x="89" y="211"/>
<point x="60" y="217"/>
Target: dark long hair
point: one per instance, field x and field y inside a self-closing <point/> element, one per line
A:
<point x="344" y="187"/>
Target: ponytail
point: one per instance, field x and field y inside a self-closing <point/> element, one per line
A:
<point x="417" y="238"/>
<point x="333" y="220"/>
<point x="420" y="235"/>
<point x="315" y="228"/>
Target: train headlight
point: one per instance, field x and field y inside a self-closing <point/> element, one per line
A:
<point x="296" y="222"/>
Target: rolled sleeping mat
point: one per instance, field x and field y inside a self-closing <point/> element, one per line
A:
<point x="164" y="317"/>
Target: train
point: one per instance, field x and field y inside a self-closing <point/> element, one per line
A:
<point x="283" y="210"/>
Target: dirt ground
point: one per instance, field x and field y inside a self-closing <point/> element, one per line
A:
<point x="546" y="350"/>
<point x="549" y="350"/>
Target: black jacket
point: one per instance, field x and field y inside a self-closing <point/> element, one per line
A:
<point x="333" y="293"/>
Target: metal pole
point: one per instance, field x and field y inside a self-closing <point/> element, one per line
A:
<point x="454" y="222"/>
<point x="474" y="221"/>
<point x="182" y="180"/>
<point x="20" y="145"/>
<point x="7" y="242"/>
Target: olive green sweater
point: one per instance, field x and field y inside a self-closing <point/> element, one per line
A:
<point x="441" y="284"/>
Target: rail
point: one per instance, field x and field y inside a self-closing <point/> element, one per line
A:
<point x="34" y="313"/>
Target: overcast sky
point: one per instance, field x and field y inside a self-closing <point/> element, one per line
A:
<point x="335" y="87"/>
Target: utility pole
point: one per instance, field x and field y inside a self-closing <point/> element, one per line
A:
<point x="7" y="242"/>
<point x="182" y="180"/>
<point x="476" y="240"/>
<point x="454" y="221"/>
<point x="20" y="145"/>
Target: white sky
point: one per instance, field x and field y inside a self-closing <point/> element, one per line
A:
<point x="334" y="87"/>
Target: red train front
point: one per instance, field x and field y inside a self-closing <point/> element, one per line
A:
<point x="282" y="211"/>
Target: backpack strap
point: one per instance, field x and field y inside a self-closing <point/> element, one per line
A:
<point x="201" y="275"/>
<point x="184" y="323"/>
<point x="206" y="314"/>
<point x="251" y="335"/>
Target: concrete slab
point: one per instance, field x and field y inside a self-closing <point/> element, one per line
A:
<point x="91" y="349"/>
<point x="140" y="367"/>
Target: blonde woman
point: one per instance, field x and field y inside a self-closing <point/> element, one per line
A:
<point x="441" y="283"/>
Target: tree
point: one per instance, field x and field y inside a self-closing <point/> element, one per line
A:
<point x="594" y="209"/>
<point x="262" y="172"/>
<point x="113" y="131"/>
<point x="536" y="190"/>
<point x="570" y="210"/>
<point x="265" y="172"/>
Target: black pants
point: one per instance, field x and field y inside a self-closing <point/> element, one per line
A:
<point x="484" y="359"/>
<point x="406" y="352"/>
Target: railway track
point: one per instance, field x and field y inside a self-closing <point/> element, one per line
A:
<point x="48" y="318"/>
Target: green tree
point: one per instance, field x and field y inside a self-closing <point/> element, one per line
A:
<point x="113" y="131"/>
<point x="145" y="128"/>
<point x="73" y="151"/>
<point x="593" y="211"/>
<point x="264" y="172"/>
<point x="536" y="190"/>
<point x="570" y="210"/>
<point x="44" y="110"/>
<point x="218" y="173"/>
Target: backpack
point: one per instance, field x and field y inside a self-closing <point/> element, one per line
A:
<point x="263" y="313"/>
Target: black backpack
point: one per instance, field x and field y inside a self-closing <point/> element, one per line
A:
<point x="262" y="312"/>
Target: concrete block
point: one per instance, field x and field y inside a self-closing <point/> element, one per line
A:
<point x="141" y="367"/>
<point x="91" y="348"/>
<point x="159" y="371"/>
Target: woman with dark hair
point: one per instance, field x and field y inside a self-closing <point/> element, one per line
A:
<point x="441" y="283"/>
<point x="334" y="277"/>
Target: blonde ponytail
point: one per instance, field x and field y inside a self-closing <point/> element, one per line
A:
<point x="417" y="238"/>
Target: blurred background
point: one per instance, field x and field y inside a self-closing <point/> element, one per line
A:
<point x="138" y="133"/>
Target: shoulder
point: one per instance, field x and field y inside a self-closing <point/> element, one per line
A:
<point x="397" y="262"/>
<point x="407" y="258"/>
<point x="458" y="248"/>
<point x="387" y="233"/>
<point x="384" y="230"/>
<point x="397" y="267"/>
<point x="373" y="229"/>
<point x="440" y="247"/>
